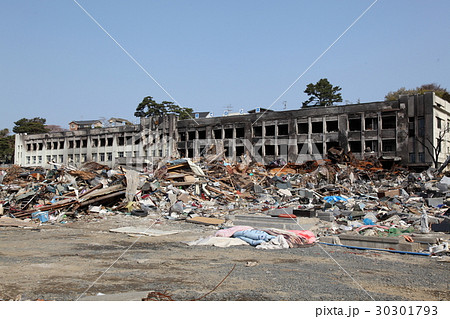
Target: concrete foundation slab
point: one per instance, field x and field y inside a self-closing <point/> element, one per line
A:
<point x="392" y="243"/>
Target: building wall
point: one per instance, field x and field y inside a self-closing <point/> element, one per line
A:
<point x="392" y="129"/>
<point x="365" y="129"/>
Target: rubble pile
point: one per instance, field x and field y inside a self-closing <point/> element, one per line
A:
<point x="343" y="200"/>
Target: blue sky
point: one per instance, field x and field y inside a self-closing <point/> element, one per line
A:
<point x="58" y="64"/>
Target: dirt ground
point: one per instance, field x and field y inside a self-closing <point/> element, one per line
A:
<point x="84" y="259"/>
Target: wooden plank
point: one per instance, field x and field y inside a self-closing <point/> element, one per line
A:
<point x="177" y="166"/>
<point x="206" y="220"/>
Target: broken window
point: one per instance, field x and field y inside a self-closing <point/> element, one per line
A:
<point x="182" y="152"/>
<point x="283" y="150"/>
<point x="110" y="141"/>
<point x="109" y="156"/>
<point x="355" y="146"/>
<point x="270" y="130"/>
<point x="302" y="148"/>
<point x="332" y="126"/>
<point x="55" y="145"/>
<point x="354" y="125"/>
<point x="191" y="135"/>
<point x="204" y="150"/>
<point x="389" y="145"/>
<point x="421" y="126"/>
<point x="49" y="158"/>
<point x="190" y="152"/>
<point x="77" y="158"/>
<point x="77" y="143"/>
<point x="257" y="149"/>
<point x="102" y="142"/>
<point x="317" y="127"/>
<point x="283" y="129"/>
<point x="40" y="146"/>
<point x="303" y="128"/>
<point x="83" y="158"/>
<point x="371" y="124"/>
<point x="49" y="145"/>
<point x="28" y="147"/>
<point x="129" y="140"/>
<point x="121" y="140"/>
<point x="240" y="150"/>
<point x="388" y="122"/>
<point x="421" y="157"/>
<point x="227" y="151"/>
<point x="240" y="132"/>
<point x="412" y="157"/>
<point x="331" y="144"/>
<point x="94" y="142"/>
<point x="228" y="133"/>
<point x="34" y="146"/>
<point x="182" y="136"/>
<point x="438" y="122"/>
<point x="317" y="148"/>
<point x="371" y="146"/>
<point x="257" y="131"/>
<point x="70" y="144"/>
<point x="83" y="143"/>
<point x="61" y="145"/>
<point x="270" y="149"/>
<point x="202" y="134"/>
<point x="102" y="157"/>
<point x="411" y="127"/>
<point x="218" y="134"/>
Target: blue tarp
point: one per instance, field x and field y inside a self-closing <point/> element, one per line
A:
<point x="334" y="199"/>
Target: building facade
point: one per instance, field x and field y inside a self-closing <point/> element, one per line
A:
<point x="408" y="130"/>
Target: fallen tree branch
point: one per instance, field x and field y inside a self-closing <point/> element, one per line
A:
<point x="215" y="286"/>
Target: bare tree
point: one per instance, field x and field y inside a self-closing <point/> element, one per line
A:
<point x="435" y="149"/>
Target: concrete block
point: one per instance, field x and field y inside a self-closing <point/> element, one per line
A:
<point x="260" y="222"/>
<point x="389" y="193"/>
<point x="327" y="216"/>
<point x="279" y="211"/>
<point x="305" y="213"/>
<point x="392" y="243"/>
<point x="444" y="226"/>
<point x="434" y="202"/>
<point x="331" y="240"/>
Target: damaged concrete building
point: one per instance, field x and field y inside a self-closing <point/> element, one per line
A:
<point x="408" y="130"/>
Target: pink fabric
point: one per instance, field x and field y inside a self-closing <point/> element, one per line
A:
<point x="307" y="234"/>
<point x="228" y="232"/>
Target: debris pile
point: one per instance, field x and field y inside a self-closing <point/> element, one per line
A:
<point x="340" y="199"/>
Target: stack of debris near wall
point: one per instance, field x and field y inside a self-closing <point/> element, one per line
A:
<point x="342" y="200"/>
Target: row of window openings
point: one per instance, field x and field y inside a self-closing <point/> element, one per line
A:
<point x="388" y="122"/>
<point x="355" y="146"/>
<point x="82" y="143"/>
<point x="79" y="157"/>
